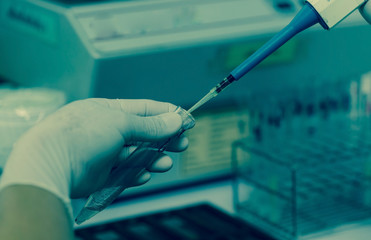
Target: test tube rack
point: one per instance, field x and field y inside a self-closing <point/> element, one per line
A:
<point x="304" y="185"/>
<point x="305" y="166"/>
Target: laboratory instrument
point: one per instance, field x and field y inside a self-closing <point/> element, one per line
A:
<point x="327" y="13"/>
<point x="127" y="172"/>
<point x="96" y="48"/>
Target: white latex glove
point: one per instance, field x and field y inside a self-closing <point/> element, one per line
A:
<point x="366" y="11"/>
<point x="72" y="152"/>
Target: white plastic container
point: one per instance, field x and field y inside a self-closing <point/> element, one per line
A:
<point x="20" y="109"/>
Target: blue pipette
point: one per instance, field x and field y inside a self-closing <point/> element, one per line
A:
<point x="327" y="13"/>
<point x="306" y="18"/>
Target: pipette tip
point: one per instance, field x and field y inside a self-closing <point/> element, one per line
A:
<point x="213" y="92"/>
<point x="203" y="100"/>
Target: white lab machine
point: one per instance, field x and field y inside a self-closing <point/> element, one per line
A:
<point x="168" y="50"/>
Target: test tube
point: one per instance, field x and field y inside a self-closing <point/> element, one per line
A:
<point x="127" y="172"/>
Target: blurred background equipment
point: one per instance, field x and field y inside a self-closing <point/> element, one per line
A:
<point x="161" y="49"/>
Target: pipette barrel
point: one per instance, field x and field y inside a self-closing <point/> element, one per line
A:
<point x="306" y="18"/>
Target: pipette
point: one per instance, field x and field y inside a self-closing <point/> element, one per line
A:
<point x="326" y="12"/>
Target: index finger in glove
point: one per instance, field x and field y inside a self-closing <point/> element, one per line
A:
<point x="142" y="107"/>
<point x="148" y="129"/>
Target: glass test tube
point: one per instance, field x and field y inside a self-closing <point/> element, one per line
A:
<point x="127" y="172"/>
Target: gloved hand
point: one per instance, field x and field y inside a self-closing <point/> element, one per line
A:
<point x="72" y="152"/>
<point x="366" y="11"/>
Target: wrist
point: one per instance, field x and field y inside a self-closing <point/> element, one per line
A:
<point x="28" y="164"/>
<point x="37" y="217"/>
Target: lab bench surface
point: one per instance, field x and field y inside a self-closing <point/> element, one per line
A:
<point x="212" y="198"/>
<point x="197" y="223"/>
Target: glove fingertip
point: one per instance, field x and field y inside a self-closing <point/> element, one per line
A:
<point x="142" y="179"/>
<point x="163" y="164"/>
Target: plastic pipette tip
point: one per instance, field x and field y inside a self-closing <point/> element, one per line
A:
<point x="213" y="92"/>
<point x="203" y="100"/>
<point x="85" y="214"/>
